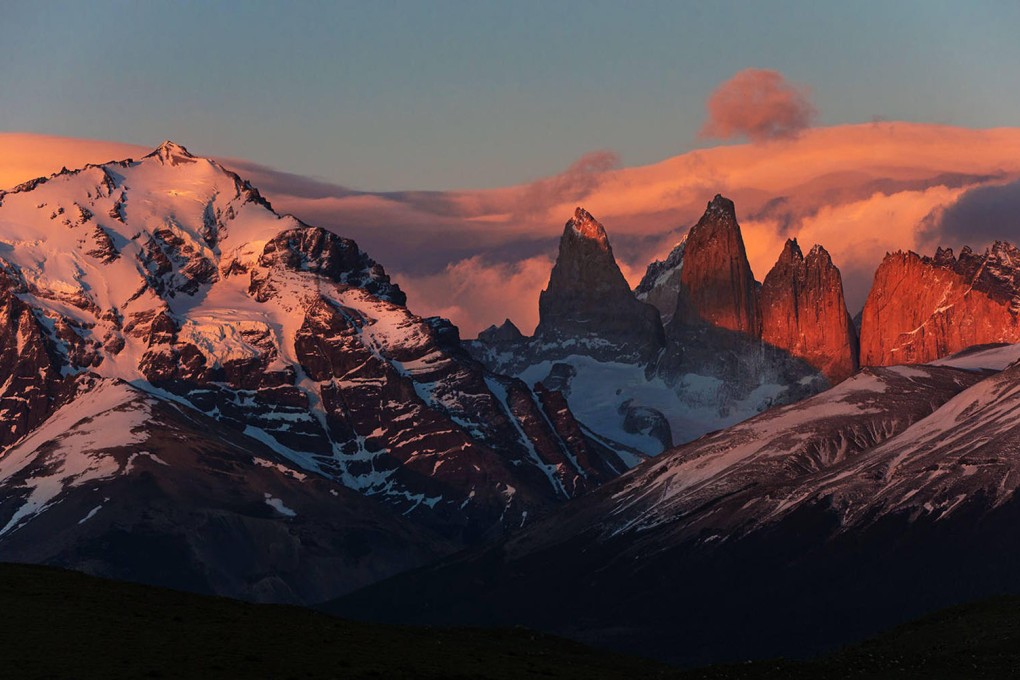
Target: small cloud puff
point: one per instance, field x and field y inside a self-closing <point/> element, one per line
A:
<point x="759" y="104"/>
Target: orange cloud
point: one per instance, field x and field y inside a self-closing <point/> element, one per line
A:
<point x="479" y="256"/>
<point x="759" y="104"/>
<point x="27" y="156"/>
<point x="474" y="293"/>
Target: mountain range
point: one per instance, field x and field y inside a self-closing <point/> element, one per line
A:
<point x="199" y="392"/>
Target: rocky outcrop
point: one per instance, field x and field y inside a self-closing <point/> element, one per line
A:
<point x="804" y="312"/>
<point x="506" y="334"/>
<point x="589" y="302"/>
<point x="716" y="284"/>
<point x="660" y="285"/>
<point x="714" y="352"/>
<point x="32" y="385"/>
<point x="924" y="308"/>
<point x="316" y="250"/>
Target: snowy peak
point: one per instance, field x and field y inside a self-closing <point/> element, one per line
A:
<point x="172" y="153"/>
<point x="584" y="226"/>
<point x="316" y="250"/>
<point x="172" y="273"/>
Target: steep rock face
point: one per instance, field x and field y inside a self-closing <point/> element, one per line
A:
<point x="923" y="308"/>
<point x="33" y="384"/>
<point x="589" y="300"/>
<point x="716" y="284"/>
<point x="804" y="312"/>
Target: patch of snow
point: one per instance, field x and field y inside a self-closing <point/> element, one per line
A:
<point x="90" y="515"/>
<point x="69" y="446"/>
<point x="283" y="469"/>
<point x="993" y="358"/>
<point x="277" y="504"/>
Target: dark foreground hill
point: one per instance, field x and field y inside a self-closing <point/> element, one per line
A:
<point x="979" y="640"/>
<point x="64" y="624"/>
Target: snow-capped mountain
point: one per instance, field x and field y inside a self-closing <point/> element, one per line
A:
<point x="889" y="495"/>
<point x="171" y="282"/>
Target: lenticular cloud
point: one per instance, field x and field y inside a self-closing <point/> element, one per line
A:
<point x="759" y="104"/>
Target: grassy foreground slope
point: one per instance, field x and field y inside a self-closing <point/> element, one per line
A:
<point x="973" y="641"/>
<point x="63" y="624"/>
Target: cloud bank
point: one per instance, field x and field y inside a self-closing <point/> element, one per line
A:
<point x="759" y="104"/>
<point x="978" y="217"/>
<point x="480" y="256"/>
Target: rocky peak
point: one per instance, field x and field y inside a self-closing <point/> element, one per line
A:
<point x="1000" y="273"/>
<point x="792" y="254"/>
<point x="717" y="286"/>
<point x="944" y="257"/>
<point x="588" y="296"/>
<point x="586" y="227"/>
<point x="819" y="253"/>
<point x="172" y="153"/>
<point x="1005" y="253"/>
<point x="322" y="252"/>
<point x="721" y="209"/>
<point x="804" y="312"/>
<point x="506" y="333"/>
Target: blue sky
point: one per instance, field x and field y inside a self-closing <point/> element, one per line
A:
<point x="440" y="95"/>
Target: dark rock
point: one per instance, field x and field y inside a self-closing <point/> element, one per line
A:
<point x="589" y="302"/>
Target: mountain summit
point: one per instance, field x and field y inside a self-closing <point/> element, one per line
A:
<point x="588" y="298"/>
<point x="171" y="152"/>
<point x="717" y="286"/>
<point x="587" y="227"/>
<point x="168" y="286"/>
<point x="803" y="311"/>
